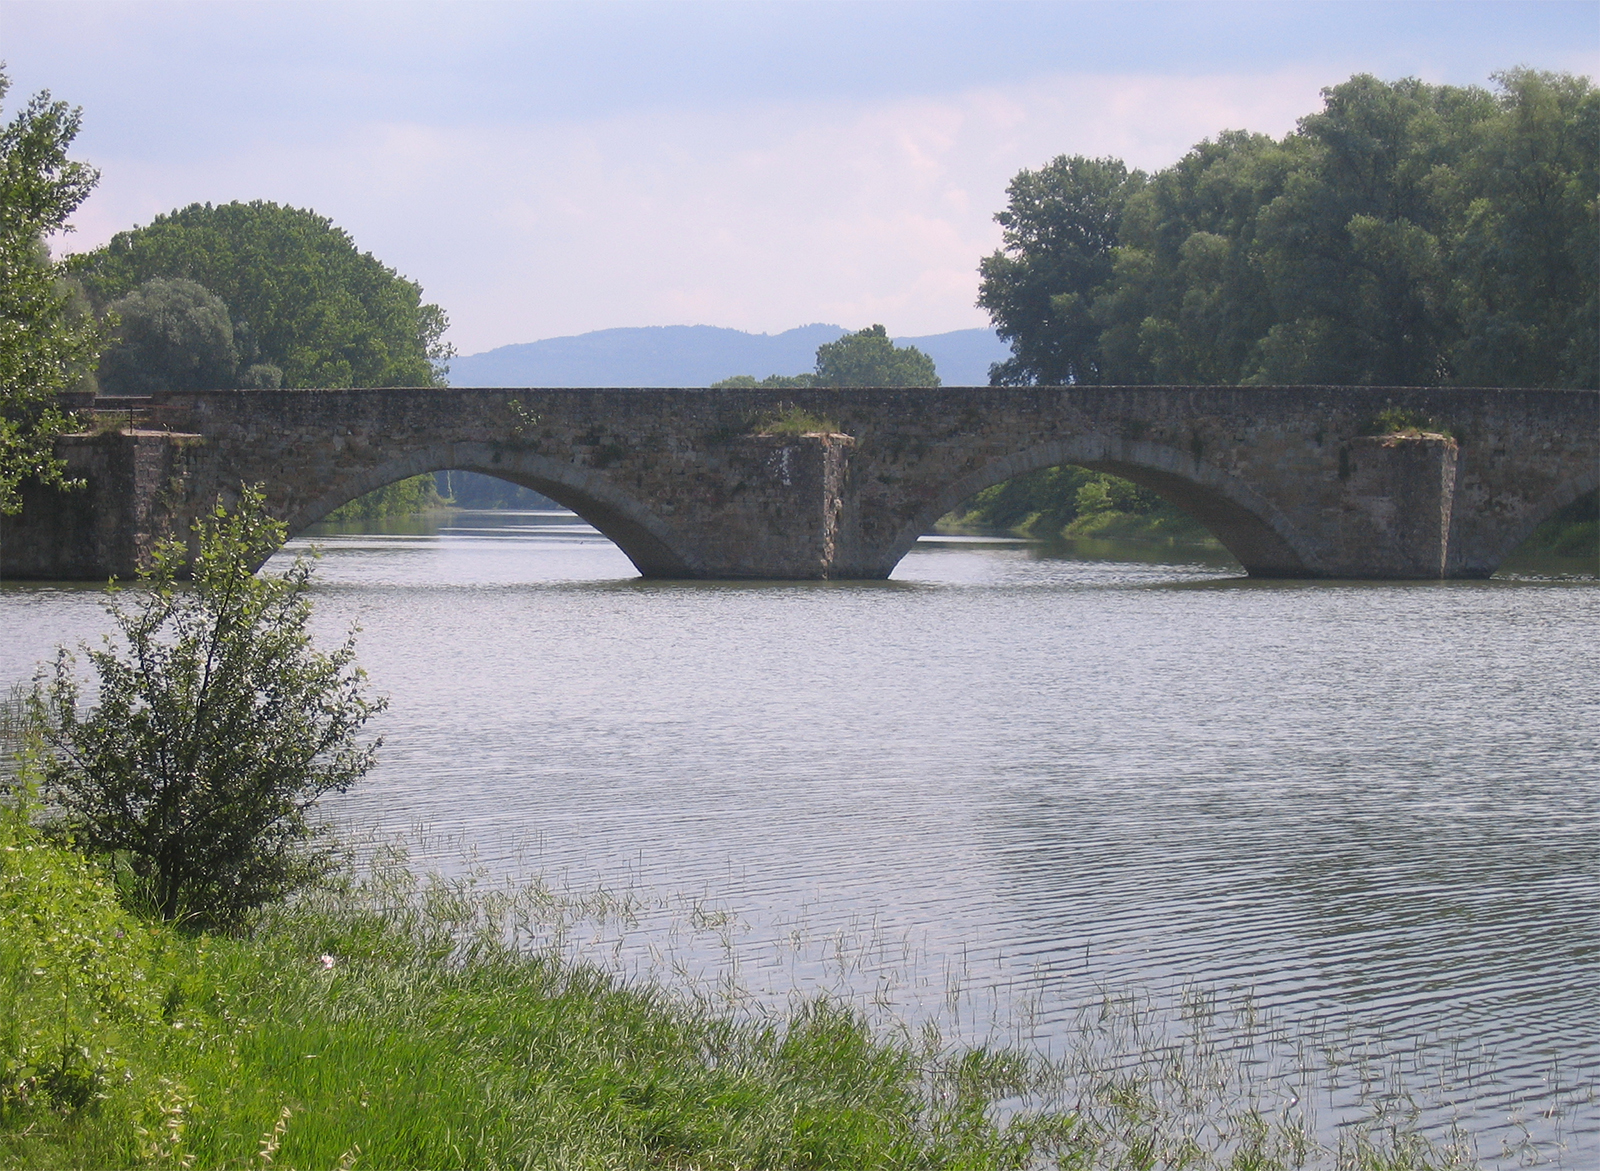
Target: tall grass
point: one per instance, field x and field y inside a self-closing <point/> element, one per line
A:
<point x="386" y="1022"/>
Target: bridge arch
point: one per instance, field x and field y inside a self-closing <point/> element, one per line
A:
<point x="1248" y="526"/>
<point x="641" y="534"/>
<point x="1511" y="538"/>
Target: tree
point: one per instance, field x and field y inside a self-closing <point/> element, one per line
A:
<point x="1353" y="249"/>
<point x="1404" y="234"/>
<point x="213" y="734"/>
<point x="48" y="341"/>
<point x="1525" y="252"/>
<point x="170" y="335"/>
<point x="312" y="304"/>
<point x="1187" y="301"/>
<point x="869" y="358"/>
<point x="770" y="382"/>
<point x="1061" y="225"/>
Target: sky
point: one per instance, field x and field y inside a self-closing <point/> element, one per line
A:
<point x="545" y="169"/>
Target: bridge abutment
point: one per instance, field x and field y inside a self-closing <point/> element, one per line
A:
<point x="135" y="491"/>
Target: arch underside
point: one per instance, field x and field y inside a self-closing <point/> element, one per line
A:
<point x="1512" y="539"/>
<point x="634" y="528"/>
<point x="1246" y="524"/>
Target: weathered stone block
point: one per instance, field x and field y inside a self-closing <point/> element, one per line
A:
<point x="135" y="492"/>
<point x="1395" y="522"/>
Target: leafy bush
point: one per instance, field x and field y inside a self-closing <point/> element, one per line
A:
<point x="213" y="733"/>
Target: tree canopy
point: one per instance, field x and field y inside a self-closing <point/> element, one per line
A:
<point x="1406" y="234"/>
<point x="48" y="341"/>
<point x="177" y="335"/>
<point x="302" y="297"/>
<point x="866" y="358"/>
<point x="869" y="358"/>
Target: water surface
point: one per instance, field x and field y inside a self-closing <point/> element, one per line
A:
<point x="1009" y="779"/>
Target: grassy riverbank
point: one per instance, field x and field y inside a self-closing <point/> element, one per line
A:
<point x="388" y="1023"/>
<point x="1068" y="501"/>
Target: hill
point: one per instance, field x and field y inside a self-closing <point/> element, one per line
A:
<point x="698" y="355"/>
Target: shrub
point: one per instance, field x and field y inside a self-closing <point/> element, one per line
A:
<point x="214" y="732"/>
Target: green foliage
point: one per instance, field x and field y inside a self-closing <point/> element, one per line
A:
<point x="73" y="967"/>
<point x="305" y="299"/>
<point x="770" y="382"/>
<point x="170" y="335"/>
<point x="869" y="358"/>
<point x="1573" y="531"/>
<point x="1060" y="227"/>
<point x="402" y="498"/>
<point x="381" y="1021"/>
<point x="790" y="419"/>
<point x="1075" y="502"/>
<point x="1404" y="421"/>
<point x="212" y="733"/>
<point x="1406" y="234"/>
<point x="48" y="340"/>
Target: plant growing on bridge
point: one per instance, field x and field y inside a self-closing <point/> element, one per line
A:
<point x="214" y="732"/>
<point x="1404" y="421"/>
<point x="790" y="419"/>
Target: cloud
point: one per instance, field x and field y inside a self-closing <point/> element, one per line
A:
<point x="758" y="217"/>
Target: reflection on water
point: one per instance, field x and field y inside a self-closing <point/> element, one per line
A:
<point x="1011" y="778"/>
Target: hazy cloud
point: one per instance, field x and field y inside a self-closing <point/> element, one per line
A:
<point x="553" y="168"/>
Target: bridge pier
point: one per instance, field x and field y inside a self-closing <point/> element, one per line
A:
<point x="777" y="512"/>
<point x="1393" y="520"/>
<point x="135" y="491"/>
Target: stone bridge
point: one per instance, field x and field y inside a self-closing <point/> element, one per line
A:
<point x="687" y="483"/>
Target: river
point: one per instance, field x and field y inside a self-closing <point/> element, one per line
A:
<point x="1013" y="781"/>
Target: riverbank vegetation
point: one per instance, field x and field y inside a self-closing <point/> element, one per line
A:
<point x="380" y="1021"/>
<point x="402" y="498"/>
<point x="1069" y="501"/>
<point x="297" y="303"/>
<point x="1406" y="234"/>
<point x="440" y="490"/>
<point x="48" y="338"/>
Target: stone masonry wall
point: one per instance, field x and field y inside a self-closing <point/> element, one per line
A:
<point x="1289" y="478"/>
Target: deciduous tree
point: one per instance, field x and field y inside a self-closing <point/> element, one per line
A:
<point x="170" y="335"/>
<point x="869" y="358"/>
<point x="48" y="341"/>
<point x="323" y="312"/>
<point x="1061" y="224"/>
<point x="214" y="728"/>
<point x="1404" y="234"/>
